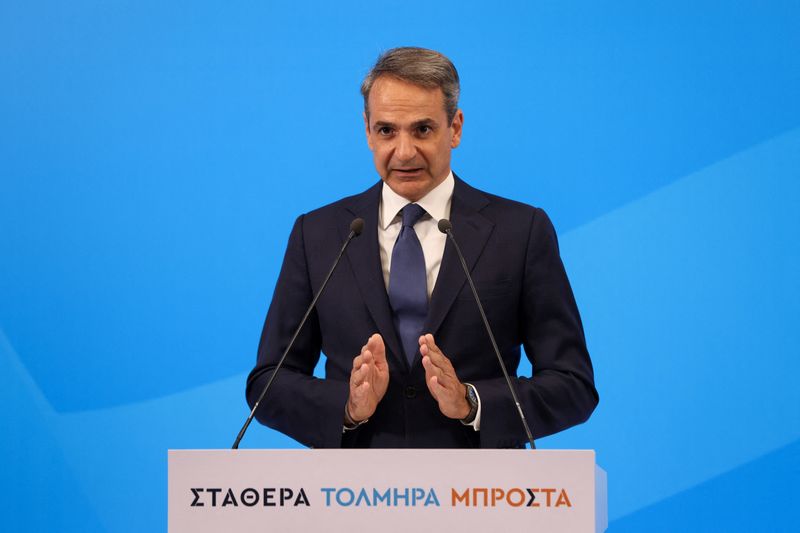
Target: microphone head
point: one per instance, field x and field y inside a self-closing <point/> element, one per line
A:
<point x="357" y="226"/>
<point x="445" y="225"/>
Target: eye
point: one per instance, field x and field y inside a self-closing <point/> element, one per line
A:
<point x="424" y="130"/>
<point x="385" y="131"/>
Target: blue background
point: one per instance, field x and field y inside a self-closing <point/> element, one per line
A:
<point x="153" y="156"/>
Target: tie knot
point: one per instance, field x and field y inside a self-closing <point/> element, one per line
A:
<point x="411" y="214"/>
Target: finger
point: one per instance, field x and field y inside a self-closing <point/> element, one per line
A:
<point x="437" y="359"/>
<point x="431" y="369"/>
<point x="365" y="357"/>
<point x="374" y="341"/>
<point x="356" y="378"/>
<point x="368" y="366"/>
<point x="430" y="382"/>
<point x="358" y="396"/>
<point x="427" y="365"/>
<point x="430" y="341"/>
<point x="431" y="376"/>
<point x="445" y="380"/>
<point x="423" y="344"/>
<point x="436" y="353"/>
<point x="378" y="349"/>
<point x="436" y="388"/>
<point x="361" y="375"/>
<point x="446" y="373"/>
<point x="359" y="359"/>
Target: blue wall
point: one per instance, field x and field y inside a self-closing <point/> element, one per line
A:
<point x="143" y="146"/>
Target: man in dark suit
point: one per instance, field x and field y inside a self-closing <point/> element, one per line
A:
<point x="408" y="361"/>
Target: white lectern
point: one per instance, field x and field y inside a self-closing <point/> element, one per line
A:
<point x="255" y="491"/>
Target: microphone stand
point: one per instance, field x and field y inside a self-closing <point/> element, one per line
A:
<point x="356" y="227"/>
<point x="447" y="228"/>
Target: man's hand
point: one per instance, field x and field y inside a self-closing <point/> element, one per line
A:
<point x="442" y="380"/>
<point x="368" y="379"/>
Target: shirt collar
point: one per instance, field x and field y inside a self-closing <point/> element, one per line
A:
<point x="436" y="203"/>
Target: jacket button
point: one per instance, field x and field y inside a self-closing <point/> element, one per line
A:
<point x="411" y="392"/>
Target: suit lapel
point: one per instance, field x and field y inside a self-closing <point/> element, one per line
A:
<point x="472" y="230"/>
<point x="364" y="258"/>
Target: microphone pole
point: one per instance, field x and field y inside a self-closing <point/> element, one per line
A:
<point x="356" y="227"/>
<point x="447" y="228"/>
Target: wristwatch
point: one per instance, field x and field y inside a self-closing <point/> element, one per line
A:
<point x="472" y="399"/>
<point x="349" y="423"/>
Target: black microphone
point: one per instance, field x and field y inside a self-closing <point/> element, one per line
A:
<point x="447" y="228"/>
<point x="356" y="227"/>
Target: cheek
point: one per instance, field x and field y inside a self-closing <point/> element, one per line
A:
<point x="382" y="155"/>
<point x="380" y="159"/>
<point x="442" y="154"/>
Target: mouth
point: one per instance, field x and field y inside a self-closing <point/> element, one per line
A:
<point x="407" y="172"/>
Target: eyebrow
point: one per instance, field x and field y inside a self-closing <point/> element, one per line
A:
<point x="424" y="122"/>
<point x="415" y="124"/>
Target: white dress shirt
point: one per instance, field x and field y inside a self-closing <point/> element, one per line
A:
<point x="437" y="205"/>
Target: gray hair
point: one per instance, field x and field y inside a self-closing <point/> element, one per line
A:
<point x="420" y="66"/>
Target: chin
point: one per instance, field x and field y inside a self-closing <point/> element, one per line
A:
<point x="412" y="191"/>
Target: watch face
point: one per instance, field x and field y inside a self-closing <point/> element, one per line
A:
<point x="472" y="398"/>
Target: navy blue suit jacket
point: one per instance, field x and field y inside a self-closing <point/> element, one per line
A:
<point x="512" y="252"/>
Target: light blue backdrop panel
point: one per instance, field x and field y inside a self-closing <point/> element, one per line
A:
<point x="153" y="157"/>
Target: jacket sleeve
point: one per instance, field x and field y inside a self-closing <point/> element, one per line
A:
<point x="308" y="409"/>
<point x="560" y="393"/>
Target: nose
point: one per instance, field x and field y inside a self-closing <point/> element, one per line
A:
<point x="405" y="149"/>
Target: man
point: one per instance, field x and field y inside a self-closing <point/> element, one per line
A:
<point x="409" y="363"/>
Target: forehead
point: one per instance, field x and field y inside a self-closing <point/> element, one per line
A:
<point x="394" y="100"/>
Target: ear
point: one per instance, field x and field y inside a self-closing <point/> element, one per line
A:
<point x="455" y="128"/>
<point x="366" y="129"/>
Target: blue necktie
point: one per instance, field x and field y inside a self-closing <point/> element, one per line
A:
<point x="408" y="283"/>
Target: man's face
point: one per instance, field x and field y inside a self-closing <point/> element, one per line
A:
<point x="409" y="136"/>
